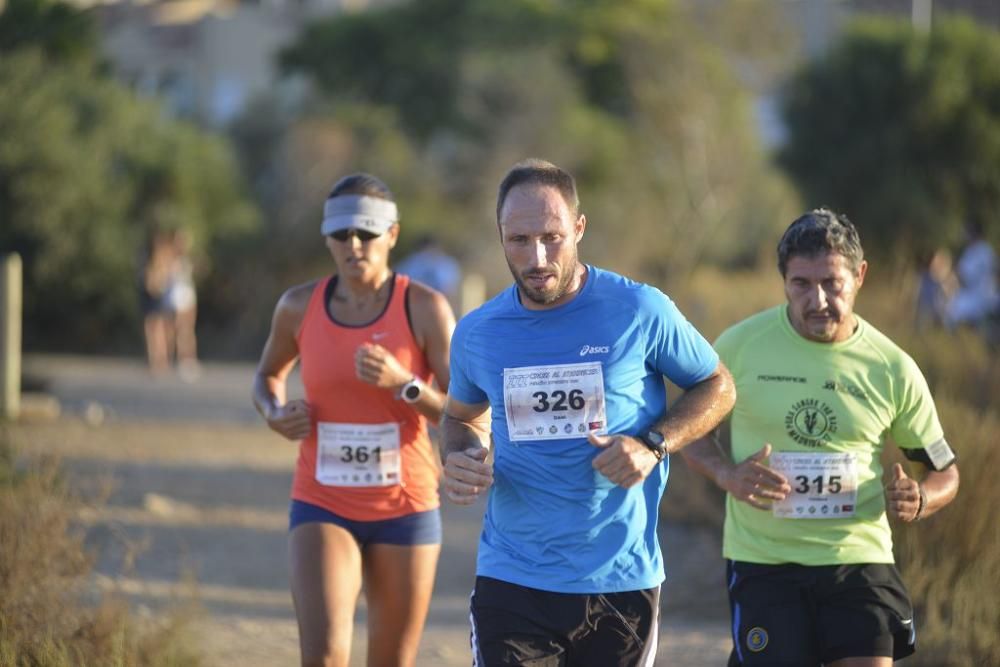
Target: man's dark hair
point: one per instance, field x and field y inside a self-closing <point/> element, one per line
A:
<point x="361" y="184"/>
<point x="817" y="232"/>
<point x="539" y="172"/>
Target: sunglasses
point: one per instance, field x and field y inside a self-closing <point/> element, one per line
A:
<point x="343" y="235"/>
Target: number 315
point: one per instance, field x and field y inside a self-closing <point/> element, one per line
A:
<point x="805" y="484"/>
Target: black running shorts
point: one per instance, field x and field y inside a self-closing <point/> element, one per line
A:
<point x="516" y="625"/>
<point x="802" y="616"/>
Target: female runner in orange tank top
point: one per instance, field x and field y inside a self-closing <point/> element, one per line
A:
<point x="364" y="497"/>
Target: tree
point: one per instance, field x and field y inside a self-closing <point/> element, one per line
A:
<point x="409" y="55"/>
<point x="61" y="31"/>
<point x="86" y="170"/>
<point x="632" y="96"/>
<point x="900" y="129"/>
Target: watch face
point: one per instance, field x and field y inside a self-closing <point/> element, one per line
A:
<point x="654" y="438"/>
<point x="654" y="442"/>
<point x="411" y="392"/>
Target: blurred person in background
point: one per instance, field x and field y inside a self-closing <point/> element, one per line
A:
<point x="557" y="410"/>
<point x="168" y="301"/>
<point x="431" y="265"/>
<point x="810" y="567"/>
<point x="154" y="278"/>
<point x="373" y="348"/>
<point x="977" y="297"/>
<point x="181" y="301"/>
<point x="935" y="288"/>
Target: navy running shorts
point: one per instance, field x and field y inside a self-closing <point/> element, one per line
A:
<point x="408" y="530"/>
<point x="802" y="616"/>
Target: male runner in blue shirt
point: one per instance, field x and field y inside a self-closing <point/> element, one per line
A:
<point x="564" y="373"/>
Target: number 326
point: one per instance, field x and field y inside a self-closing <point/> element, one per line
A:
<point x="560" y="400"/>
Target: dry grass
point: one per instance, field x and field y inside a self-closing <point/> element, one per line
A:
<point x="45" y="619"/>
<point x="951" y="562"/>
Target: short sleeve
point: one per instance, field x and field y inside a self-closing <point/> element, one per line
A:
<point x="675" y="348"/>
<point x="916" y="424"/>
<point x="461" y="385"/>
<point x="727" y="348"/>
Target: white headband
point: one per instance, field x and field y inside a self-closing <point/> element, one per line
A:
<point x="358" y="212"/>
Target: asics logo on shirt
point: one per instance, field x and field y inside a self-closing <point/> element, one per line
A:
<point x="594" y="349"/>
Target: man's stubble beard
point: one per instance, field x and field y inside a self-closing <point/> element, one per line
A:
<point x="546" y="298"/>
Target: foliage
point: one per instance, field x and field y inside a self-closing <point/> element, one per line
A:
<point x="409" y="56"/>
<point x="61" y="31"/>
<point x="633" y="97"/>
<point x="86" y="171"/>
<point x="901" y="130"/>
<point x="293" y="163"/>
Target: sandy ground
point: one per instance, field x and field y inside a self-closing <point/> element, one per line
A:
<point x="195" y="511"/>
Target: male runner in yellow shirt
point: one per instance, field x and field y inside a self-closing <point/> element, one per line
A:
<point x="807" y="540"/>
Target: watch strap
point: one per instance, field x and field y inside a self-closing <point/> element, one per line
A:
<point x="410" y="392"/>
<point x="654" y="442"/>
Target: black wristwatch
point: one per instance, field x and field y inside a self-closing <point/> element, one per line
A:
<point x="654" y="442"/>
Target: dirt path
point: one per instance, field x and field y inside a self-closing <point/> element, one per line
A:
<point x="199" y="494"/>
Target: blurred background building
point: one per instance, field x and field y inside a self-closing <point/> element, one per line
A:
<point x="207" y="59"/>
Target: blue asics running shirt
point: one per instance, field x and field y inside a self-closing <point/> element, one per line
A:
<point x="553" y="522"/>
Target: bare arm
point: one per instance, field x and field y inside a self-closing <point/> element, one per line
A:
<point x="434" y="323"/>
<point x="709" y="456"/>
<point x="626" y="461"/>
<point x="465" y="433"/>
<point x="903" y="493"/>
<point x="292" y="420"/>
<point x="750" y="481"/>
<point x="699" y="410"/>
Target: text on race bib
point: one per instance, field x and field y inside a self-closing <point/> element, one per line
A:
<point x="357" y="454"/>
<point x="554" y="402"/>
<point x="824" y="485"/>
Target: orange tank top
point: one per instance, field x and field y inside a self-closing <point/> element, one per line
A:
<point x="374" y="453"/>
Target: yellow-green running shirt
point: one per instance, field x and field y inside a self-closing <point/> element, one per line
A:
<point x="840" y="399"/>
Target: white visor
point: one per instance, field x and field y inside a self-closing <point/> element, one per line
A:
<point x="358" y="212"/>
